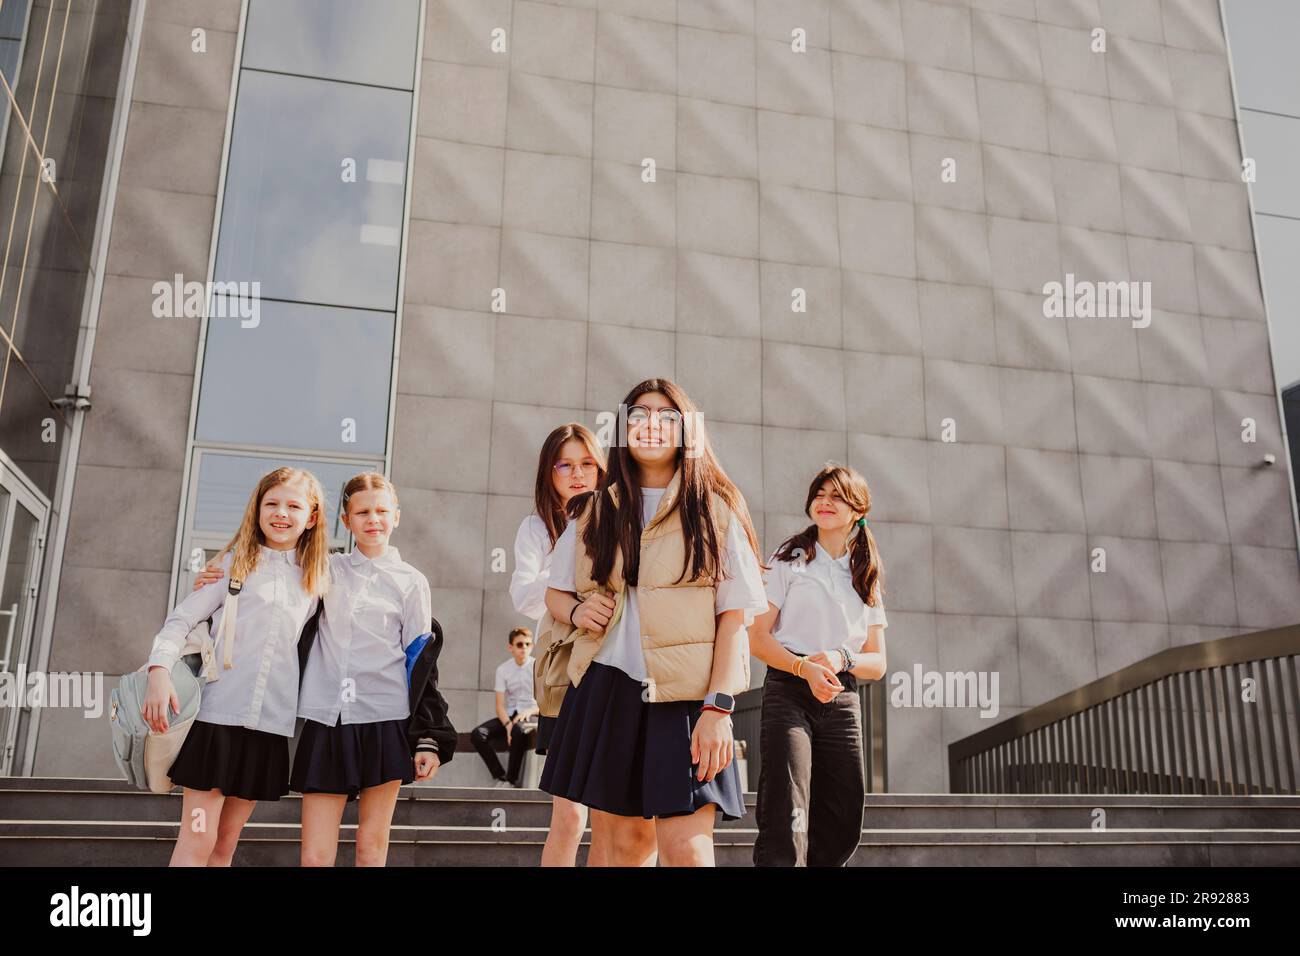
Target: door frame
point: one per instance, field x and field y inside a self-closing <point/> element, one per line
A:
<point x="22" y="492"/>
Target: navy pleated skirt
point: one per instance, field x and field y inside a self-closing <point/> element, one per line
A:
<point x="348" y="758"/>
<point x="244" y="763"/>
<point x="613" y="751"/>
<point x="545" y="728"/>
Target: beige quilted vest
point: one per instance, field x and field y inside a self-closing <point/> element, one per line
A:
<point x="678" y="623"/>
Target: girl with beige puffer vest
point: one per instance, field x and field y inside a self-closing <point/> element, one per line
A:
<point x="661" y="595"/>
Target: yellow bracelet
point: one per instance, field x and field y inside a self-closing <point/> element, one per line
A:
<point x="798" y="666"/>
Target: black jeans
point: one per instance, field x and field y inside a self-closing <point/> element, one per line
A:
<point x="811" y="787"/>
<point x="485" y="735"/>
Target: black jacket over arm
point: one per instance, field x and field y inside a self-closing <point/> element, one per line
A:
<point x="429" y="720"/>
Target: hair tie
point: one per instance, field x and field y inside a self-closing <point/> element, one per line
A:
<point x="862" y="522"/>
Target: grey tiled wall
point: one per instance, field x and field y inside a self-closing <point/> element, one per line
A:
<point x="820" y="170"/>
<point x="775" y="170"/>
<point x="127" y="486"/>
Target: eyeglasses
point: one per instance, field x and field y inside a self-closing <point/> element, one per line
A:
<point x="639" y="414"/>
<point x="566" y="468"/>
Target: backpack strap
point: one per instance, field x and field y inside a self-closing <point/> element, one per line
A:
<point x="226" y="634"/>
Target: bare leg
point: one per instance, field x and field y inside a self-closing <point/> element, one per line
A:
<point x="234" y="814"/>
<point x="376" y="819"/>
<point x="622" y="841"/>
<point x="321" y="815"/>
<point x="687" y="840"/>
<point x="200" y="816"/>
<point x="568" y="820"/>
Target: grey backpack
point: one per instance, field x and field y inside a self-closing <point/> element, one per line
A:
<point x="145" y="757"/>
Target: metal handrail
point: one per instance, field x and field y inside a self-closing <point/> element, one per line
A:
<point x="1148" y="728"/>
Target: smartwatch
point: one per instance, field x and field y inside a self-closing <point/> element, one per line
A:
<point x="723" y="703"/>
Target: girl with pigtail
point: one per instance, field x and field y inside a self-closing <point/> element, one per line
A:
<point x="823" y="633"/>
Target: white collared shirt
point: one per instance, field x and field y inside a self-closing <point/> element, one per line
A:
<point x="532" y="568"/>
<point x="260" y="691"/>
<point x="516" y="682"/>
<point x="819" y="608"/>
<point x="740" y="590"/>
<point x="374" y="609"/>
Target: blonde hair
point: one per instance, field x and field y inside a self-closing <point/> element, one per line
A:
<point x="518" y="632"/>
<point x="313" y="544"/>
<point x="368" y="481"/>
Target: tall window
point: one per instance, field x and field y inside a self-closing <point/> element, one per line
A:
<point x="311" y="225"/>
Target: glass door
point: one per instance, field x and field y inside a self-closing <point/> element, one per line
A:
<point x="24" y="513"/>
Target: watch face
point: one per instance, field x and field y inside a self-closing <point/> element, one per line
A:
<point x="725" y="701"/>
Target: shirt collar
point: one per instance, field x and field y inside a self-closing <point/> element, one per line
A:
<point x="357" y="559"/>
<point x="271" y="554"/>
<point x="824" y="556"/>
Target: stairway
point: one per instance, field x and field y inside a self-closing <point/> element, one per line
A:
<point x="97" y="822"/>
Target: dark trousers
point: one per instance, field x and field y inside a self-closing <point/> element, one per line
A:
<point x="811" y="787"/>
<point x="486" y="734"/>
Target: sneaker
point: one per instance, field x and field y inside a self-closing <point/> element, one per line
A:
<point x="502" y="784"/>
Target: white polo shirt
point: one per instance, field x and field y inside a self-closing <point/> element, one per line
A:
<point x="820" y="610"/>
<point x="516" y="682"/>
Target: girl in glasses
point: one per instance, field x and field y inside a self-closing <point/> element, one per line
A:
<point x="571" y="463"/>
<point x="660" y="573"/>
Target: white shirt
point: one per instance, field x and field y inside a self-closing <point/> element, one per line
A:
<point x="260" y="691"/>
<point x="374" y="609"/>
<point x="819" y="608"/>
<point x="516" y="682"/>
<point x="741" y="590"/>
<point x="532" y="568"/>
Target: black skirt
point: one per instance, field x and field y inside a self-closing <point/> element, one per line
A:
<point x="348" y="758"/>
<point x="615" y="752"/>
<point x="545" y="728"/>
<point x="244" y="763"/>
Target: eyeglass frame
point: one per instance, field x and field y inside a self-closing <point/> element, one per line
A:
<point x="656" y="413"/>
<point x="582" y="470"/>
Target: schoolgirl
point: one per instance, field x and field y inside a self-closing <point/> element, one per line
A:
<point x="369" y="729"/>
<point x="660" y="572"/>
<point x="571" y="463"/>
<point x="822" y="634"/>
<point x="237" y="749"/>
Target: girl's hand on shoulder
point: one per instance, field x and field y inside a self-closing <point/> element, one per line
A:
<point x="712" y="745"/>
<point x="821" y="679"/>
<point x="594" y="613"/>
<point x="426" y="765"/>
<point x="211" y="574"/>
<point x="160" y="700"/>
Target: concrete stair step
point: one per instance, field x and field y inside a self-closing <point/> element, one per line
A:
<point x="78" y="843"/>
<point x="75" y="822"/>
<point x="111" y="800"/>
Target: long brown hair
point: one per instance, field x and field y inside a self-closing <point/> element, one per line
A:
<point x="865" y="566"/>
<point x="313" y="546"/>
<point x="549" y="502"/>
<point x="613" y="528"/>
